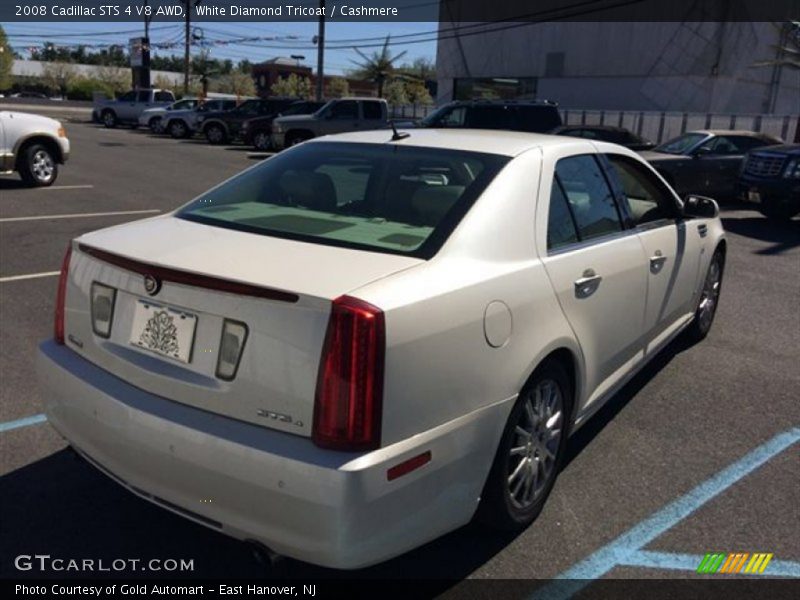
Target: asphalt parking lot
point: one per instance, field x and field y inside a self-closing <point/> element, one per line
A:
<point x="699" y="453"/>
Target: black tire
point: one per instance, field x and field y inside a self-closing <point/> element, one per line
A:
<point x="261" y="140"/>
<point x="296" y="137"/>
<point x="108" y="118"/>
<point x="178" y="129"/>
<point x="702" y="322"/>
<point x="155" y="124"/>
<point x="497" y="508"/>
<point x="774" y="209"/>
<point x="216" y="134"/>
<point x="37" y="165"/>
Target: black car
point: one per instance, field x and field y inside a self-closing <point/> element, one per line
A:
<point x="222" y="127"/>
<point x="706" y="162"/>
<point x="770" y="179"/>
<point x="606" y="133"/>
<point x="257" y="131"/>
<point x="538" y="116"/>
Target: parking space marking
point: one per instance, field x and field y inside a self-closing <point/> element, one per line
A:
<point x="689" y="562"/>
<point x="624" y="548"/>
<point x="24" y="422"/>
<point x="80" y="215"/>
<point x="83" y="186"/>
<point x="29" y="276"/>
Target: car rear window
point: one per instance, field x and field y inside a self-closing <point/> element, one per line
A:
<point x="378" y="197"/>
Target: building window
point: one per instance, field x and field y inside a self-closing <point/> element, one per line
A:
<point x="495" y="88"/>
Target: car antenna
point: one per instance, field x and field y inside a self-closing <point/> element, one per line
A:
<point x="396" y="135"/>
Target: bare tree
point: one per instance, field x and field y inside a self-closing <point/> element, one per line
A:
<point x="58" y="76"/>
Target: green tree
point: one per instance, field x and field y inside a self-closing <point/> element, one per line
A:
<point x="338" y="87"/>
<point x="292" y="87"/>
<point x="396" y="92"/>
<point x="236" y="82"/>
<point x="6" y="61"/>
<point x="379" y="67"/>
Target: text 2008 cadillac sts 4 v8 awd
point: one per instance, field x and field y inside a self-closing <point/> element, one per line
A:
<point x="364" y="342"/>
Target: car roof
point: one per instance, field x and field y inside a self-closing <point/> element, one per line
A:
<point x="490" y="141"/>
<point x="743" y="132"/>
<point x="481" y="102"/>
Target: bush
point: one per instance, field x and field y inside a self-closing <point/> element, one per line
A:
<point x="83" y="88"/>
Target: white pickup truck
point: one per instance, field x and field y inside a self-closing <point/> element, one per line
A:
<point x="127" y="108"/>
<point x="33" y="146"/>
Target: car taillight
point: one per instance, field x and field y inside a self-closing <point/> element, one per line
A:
<point x="348" y="403"/>
<point x="61" y="296"/>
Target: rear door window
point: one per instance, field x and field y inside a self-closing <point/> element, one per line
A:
<point x="345" y="110"/>
<point x="589" y="196"/>
<point x="372" y="110"/>
<point x="537" y="119"/>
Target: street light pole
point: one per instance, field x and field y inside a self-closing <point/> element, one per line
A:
<point x="321" y="51"/>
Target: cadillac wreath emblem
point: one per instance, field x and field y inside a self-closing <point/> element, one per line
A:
<point x="160" y="334"/>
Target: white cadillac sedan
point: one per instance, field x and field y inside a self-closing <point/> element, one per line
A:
<point x="364" y="342"/>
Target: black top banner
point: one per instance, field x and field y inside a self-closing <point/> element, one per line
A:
<point x="454" y="11"/>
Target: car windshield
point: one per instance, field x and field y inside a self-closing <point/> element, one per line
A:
<point x="378" y="197"/>
<point x="681" y="144"/>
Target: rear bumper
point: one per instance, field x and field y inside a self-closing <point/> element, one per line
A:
<point x="329" y="508"/>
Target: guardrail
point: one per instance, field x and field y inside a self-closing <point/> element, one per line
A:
<point x="661" y="126"/>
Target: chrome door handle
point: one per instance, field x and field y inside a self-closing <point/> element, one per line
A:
<point x="587" y="284"/>
<point x="657" y="262"/>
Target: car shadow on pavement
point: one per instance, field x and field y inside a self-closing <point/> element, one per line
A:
<point x="62" y="506"/>
<point x="9" y="183"/>
<point x="783" y="235"/>
<point x="584" y="436"/>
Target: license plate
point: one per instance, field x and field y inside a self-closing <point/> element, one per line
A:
<point x="754" y="196"/>
<point x="163" y="330"/>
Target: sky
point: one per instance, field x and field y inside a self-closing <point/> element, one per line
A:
<point x="336" y="60"/>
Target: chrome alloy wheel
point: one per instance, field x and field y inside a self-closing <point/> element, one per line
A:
<point x="710" y="294"/>
<point x="537" y="436"/>
<point x="42" y="166"/>
<point x="261" y="141"/>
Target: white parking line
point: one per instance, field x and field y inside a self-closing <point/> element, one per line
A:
<point x="80" y="215"/>
<point x="29" y="276"/>
<point x="85" y="186"/>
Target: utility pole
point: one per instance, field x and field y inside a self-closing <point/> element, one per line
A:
<point x="187" y="4"/>
<point x="321" y="52"/>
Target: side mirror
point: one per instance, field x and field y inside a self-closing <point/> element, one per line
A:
<point x="700" y="207"/>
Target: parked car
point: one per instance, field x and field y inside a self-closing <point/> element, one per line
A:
<point x="706" y="162"/>
<point x="337" y="116"/>
<point x="127" y="108"/>
<point x="537" y="116"/>
<point x="257" y="132"/>
<point x="32" y="146"/>
<point x="606" y="133"/>
<point x="36" y="95"/>
<point x="367" y="392"/>
<point x="184" y="123"/>
<point x="223" y="127"/>
<point x="770" y="179"/>
<point x="153" y="117"/>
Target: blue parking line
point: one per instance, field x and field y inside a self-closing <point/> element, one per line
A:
<point x="24" y="422"/>
<point x="622" y="549"/>
<point x="689" y="562"/>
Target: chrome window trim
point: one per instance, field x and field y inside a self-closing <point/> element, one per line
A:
<point x="583" y="244"/>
